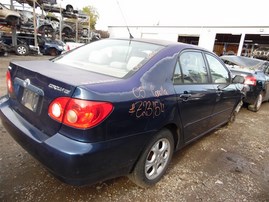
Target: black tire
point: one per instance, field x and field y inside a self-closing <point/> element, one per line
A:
<point x="257" y="105"/>
<point x="13" y="21"/>
<point x="69" y="8"/>
<point x="85" y="32"/>
<point x="68" y="32"/>
<point x="53" y="52"/>
<point x="45" y="29"/>
<point x="154" y="161"/>
<point x="22" y="49"/>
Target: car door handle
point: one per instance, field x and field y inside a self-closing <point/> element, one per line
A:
<point x="219" y="92"/>
<point x="185" y="97"/>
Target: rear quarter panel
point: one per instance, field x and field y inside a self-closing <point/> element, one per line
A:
<point x="143" y="102"/>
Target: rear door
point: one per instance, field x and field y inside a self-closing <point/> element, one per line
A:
<point x="195" y="94"/>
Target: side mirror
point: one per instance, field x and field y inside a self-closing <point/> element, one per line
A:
<point x="238" y="79"/>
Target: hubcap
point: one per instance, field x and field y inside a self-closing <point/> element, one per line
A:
<point x="21" y="50"/>
<point x="157" y="158"/>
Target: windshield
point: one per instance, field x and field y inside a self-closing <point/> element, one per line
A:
<point x="110" y="56"/>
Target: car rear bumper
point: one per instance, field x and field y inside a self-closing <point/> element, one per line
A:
<point x="72" y="161"/>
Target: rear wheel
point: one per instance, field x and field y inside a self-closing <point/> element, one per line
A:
<point x="154" y="161"/>
<point x="53" y="52"/>
<point x="22" y="49"/>
<point x="257" y="105"/>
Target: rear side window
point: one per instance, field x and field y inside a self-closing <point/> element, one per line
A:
<point x="218" y="72"/>
<point x="193" y="68"/>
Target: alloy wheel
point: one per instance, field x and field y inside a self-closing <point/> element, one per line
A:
<point x="157" y="158"/>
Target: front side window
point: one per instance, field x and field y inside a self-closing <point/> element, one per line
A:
<point x="193" y="67"/>
<point x="218" y="72"/>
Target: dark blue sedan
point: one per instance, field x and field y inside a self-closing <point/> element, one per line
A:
<point x="117" y="107"/>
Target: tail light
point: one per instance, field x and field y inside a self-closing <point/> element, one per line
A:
<point x="9" y="82"/>
<point x="250" y="80"/>
<point x="79" y="113"/>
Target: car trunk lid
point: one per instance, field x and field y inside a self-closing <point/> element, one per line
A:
<point x="37" y="83"/>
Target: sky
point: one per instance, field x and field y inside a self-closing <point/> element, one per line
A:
<point x="175" y="12"/>
<point x="178" y="12"/>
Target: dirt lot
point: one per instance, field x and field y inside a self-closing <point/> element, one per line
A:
<point x="230" y="164"/>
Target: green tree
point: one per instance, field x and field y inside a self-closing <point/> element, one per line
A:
<point x="93" y="14"/>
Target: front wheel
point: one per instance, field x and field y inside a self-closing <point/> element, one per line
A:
<point x="154" y="161"/>
<point x="257" y="105"/>
<point x="22" y="49"/>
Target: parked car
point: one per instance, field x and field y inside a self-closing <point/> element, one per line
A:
<point x="261" y="53"/>
<point x="256" y="73"/>
<point x="8" y="16"/>
<point x="117" y="107"/>
<point x="22" y="48"/>
<point x="37" y="2"/>
<point x="26" y="42"/>
<point x="67" y="30"/>
<point x="48" y="24"/>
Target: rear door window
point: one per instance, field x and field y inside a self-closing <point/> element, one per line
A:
<point x="193" y="68"/>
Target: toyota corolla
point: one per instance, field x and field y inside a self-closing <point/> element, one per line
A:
<point x="117" y="107"/>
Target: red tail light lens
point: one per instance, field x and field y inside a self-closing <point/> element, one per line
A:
<point x="79" y="113"/>
<point x="9" y="82"/>
<point x="56" y="108"/>
<point x="250" y="80"/>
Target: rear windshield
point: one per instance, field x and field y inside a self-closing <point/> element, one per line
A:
<point x="243" y="62"/>
<point x="110" y="56"/>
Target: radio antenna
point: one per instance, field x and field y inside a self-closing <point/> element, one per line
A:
<point x="130" y="35"/>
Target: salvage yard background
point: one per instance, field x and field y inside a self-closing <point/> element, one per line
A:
<point x="230" y="164"/>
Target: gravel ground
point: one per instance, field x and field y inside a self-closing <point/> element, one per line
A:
<point x="230" y="164"/>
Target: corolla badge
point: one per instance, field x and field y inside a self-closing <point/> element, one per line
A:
<point x="58" y="88"/>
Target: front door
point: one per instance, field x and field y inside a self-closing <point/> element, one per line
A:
<point x="227" y="94"/>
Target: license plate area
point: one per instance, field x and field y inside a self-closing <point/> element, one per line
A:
<point x="30" y="99"/>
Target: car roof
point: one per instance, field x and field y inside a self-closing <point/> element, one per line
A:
<point x="160" y="42"/>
